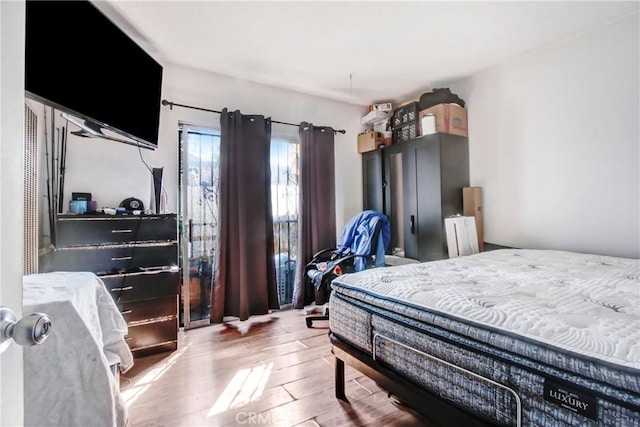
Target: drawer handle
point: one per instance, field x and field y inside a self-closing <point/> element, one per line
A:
<point x="125" y="312"/>
<point x="122" y="231"/>
<point x="128" y="338"/>
<point x="121" y="258"/>
<point x="126" y="288"/>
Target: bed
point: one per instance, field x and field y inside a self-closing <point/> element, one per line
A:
<point x="507" y="337"/>
<point x="70" y="379"/>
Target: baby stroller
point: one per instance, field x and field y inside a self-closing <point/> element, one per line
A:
<point x="362" y="245"/>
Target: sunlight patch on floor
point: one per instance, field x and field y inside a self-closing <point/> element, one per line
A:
<point x="245" y="387"/>
<point x="137" y="388"/>
<point x="244" y="326"/>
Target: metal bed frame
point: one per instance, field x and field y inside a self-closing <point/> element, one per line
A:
<point x="422" y="401"/>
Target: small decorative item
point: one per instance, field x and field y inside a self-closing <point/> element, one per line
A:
<point x="78" y="206"/>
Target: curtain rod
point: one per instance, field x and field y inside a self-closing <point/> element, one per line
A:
<point x="172" y="104"/>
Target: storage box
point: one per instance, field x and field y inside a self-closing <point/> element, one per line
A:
<point x="472" y="206"/>
<point x="387" y="136"/>
<point x="381" y="125"/>
<point x="406" y="132"/>
<point x="428" y="124"/>
<point x="462" y="238"/>
<point x="404" y="114"/>
<point x="385" y="106"/>
<point x="373" y="116"/>
<point x="369" y="141"/>
<point x="450" y="118"/>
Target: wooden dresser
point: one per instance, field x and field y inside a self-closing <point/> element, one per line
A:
<point x="137" y="259"/>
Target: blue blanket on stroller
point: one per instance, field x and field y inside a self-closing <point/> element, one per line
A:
<point x="357" y="238"/>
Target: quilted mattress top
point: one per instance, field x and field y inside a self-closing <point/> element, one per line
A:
<point x="587" y="304"/>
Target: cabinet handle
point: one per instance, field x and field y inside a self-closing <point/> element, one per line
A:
<point x="122" y="231"/>
<point x="126" y="288"/>
<point x="190" y="230"/>
<point x="121" y="258"/>
<point x="128" y="338"/>
<point x="125" y="312"/>
<point x="412" y="222"/>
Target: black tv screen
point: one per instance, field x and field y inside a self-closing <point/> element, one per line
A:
<point x="78" y="61"/>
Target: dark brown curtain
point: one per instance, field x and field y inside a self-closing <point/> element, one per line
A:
<point x="245" y="281"/>
<point x="317" y="212"/>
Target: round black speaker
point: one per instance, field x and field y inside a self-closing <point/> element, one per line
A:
<point x="132" y="204"/>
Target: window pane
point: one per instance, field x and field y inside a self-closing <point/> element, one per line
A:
<point x="284" y="198"/>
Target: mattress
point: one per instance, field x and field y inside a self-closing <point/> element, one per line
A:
<point x="548" y="324"/>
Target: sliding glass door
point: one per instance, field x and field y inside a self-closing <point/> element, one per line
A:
<point x="199" y="156"/>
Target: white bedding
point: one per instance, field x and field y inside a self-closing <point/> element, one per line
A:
<point x="586" y="304"/>
<point x="68" y="381"/>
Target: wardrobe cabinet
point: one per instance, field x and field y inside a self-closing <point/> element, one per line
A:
<point x="419" y="183"/>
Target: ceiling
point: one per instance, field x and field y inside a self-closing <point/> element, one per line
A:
<point x="353" y="51"/>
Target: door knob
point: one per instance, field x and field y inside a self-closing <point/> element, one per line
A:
<point x="32" y="329"/>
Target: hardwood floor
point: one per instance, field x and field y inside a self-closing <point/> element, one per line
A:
<point x="268" y="371"/>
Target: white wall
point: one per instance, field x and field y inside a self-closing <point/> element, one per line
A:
<point x="113" y="171"/>
<point x="554" y="142"/>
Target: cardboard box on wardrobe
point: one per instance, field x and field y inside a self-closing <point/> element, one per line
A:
<point x="369" y="141"/>
<point x="449" y="118"/>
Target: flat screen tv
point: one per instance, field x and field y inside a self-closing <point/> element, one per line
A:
<point x="81" y="63"/>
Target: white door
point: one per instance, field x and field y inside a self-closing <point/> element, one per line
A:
<point x="12" y="30"/>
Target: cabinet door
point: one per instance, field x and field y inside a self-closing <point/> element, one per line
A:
<point x="373" y="181"/>
<point x="430" y="239"/>
<point x="422" y="201"/>
<point x="394" y="196"/>
<point x="410" y="228"/>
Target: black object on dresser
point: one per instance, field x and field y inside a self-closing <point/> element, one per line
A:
<point x="417" y="184"/>
<point x="137" y="259"/>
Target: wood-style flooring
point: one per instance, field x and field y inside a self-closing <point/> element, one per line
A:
<point x="268" y="371"/>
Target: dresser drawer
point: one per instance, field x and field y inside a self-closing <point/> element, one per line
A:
<point x="143" y="285"/>
<point x="81" y="231"/>
<point x="116" y="258"/>
<point x="147" y="336"/>
<point x="151" y="322"/>
<point x="149" y="311"/>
